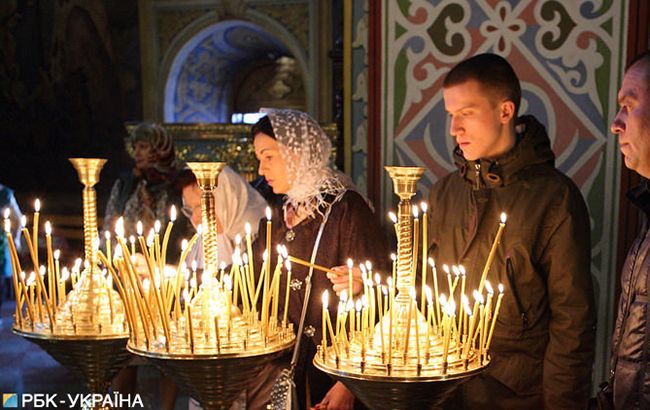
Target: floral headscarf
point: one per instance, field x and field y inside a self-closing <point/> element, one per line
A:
<point x="161" y="143"/>
<point x="306" y="149"/>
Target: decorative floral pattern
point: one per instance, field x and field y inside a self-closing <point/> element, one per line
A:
<point x="567" y="55"/>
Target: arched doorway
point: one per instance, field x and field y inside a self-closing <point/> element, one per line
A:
<point x="231" y="66"/>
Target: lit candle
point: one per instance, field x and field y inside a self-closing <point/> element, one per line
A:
<point x="325" y="299"/>
<point x="286" y="294"/>
<point x="51" y="282"/>
<point x="216" y="333"/>
<point x="358" y="307"/>
<point x="107" y="237"/>
<point x="37" y="209"/>
<point x="494" y="317"/>
<point x="416" y="240"/>
<point x="57" y="277"/>
<point x="408" y="324"/>
<point x="429" y="298"/>
<point x="227" y="282"/>
<point x="132" y="242"/>
<point x="478" y="300"/>
<point x="493" y="250"/>
<point x="249" y="250"/>
<point x="445" y="269"/>
<point x="436" y="293"/>
<point x="488" y="314"/>
<point x="417" y="326"/>
<point x="423" y="207"/>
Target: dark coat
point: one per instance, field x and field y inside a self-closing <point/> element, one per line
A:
<point x="631" y="339"/>
<point x="543" y="345"/>
<point x="352" y="231"/>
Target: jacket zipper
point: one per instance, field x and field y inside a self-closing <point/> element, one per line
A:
<point x="510" y="275"/>
<point x="477" y="167"/>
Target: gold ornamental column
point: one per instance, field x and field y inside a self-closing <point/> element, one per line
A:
<point x="207" y="174"/>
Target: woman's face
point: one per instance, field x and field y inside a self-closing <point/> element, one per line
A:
<point x="144" y="155"/>
<point x="272" y="166"/>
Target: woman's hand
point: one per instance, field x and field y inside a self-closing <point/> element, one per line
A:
<point x="337" y="398"/>
<point x="341" y="281"/>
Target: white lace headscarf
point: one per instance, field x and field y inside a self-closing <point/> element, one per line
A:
<point x="306" y="150"/>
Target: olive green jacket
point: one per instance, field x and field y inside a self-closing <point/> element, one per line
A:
<point x="543" y="345"/>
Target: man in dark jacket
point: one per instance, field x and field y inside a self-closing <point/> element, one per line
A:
<point x="543" y="344"/>
<point x="630" y="364"/>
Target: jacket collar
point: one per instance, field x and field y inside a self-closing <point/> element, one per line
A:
<point x="640" y="196"/>
<point x="532" y="147"/>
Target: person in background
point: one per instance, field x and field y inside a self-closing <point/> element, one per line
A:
<point x="542" y="349"/>
<point x="9" y="208"/>
<point x="629" y="382"/>
<point x="294" y="154"/>
<point x="146" y="194"/>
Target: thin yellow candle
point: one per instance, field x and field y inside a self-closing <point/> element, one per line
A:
<point x="423" y="207"/>
<point x="350" y="308"/>
<point x="227" y="282"/>
<point x="107" y="237"/>
<point x="57" y="276"/>
<point x="436" y="292"/>
<point x="463" y="279"/>
<point x="417" y="327"/>
<point x="478" y="300"/>
<point x="494" y="317"/>
<point x="350" y="288"/>
<point x="416" y="242"/>
<point x="358" y="307"/>
<point x="50" y="263"/>
<point x="37" y="208"/>
<point x="493" y="250"/>
<point x="408" y="324"/>
<point x="168" y="230"/>
<point x="188" y="309"/>
<point x="132" y="242"/>
<point x="286" y="292"/>
<point x="429" y="297"/>
<point x="325" y="300"/>
<point x="488" y="314"/>
<point x="328" y="324"/>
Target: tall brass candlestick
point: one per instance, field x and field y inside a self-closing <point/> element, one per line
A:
<point x="207" y="174"/>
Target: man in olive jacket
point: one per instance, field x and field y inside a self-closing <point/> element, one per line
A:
<point x="630" y="363"/>
<point x="543" y="344"/>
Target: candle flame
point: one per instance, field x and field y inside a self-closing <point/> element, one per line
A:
<point x="156" y="226"/>
<point x="325" y="298"/>
<point x="150" y="238"/>
<point x="350" y="263"/>
<point x="41" y="270"/>
<point x="222" y="265"/>
<point x="199" y="229"/>
<point x="6" y="213"/>
<point x="384" y="290"/>
<point x="48" y="228"/>
<point x="416" y="210"/>
<point x="37" y="205"/>
<point x="184" y="244"/>
<point x="392" y="217"/>
<point x="368" y="265"/>
<point x="462" y="270"/>
<point x="287" y="264"/>
<point x="247" y="228"/>
<point x="57" y="254"/>
<point x="488" y="287"/>
<point x="455" y="269"/>
<point x="344" y="295"/>
<point x="237" y="239"/>
<point x="132" y="239"/>
<point x="500" y="287"/>
<point x="424" y="206"/>
<point x="194" y="265"/>
<point x="350" y="305"/>
<point x="227" y="282"/>
<point x="393" y="257"/>
<point x="377" y="279"/>
<point x="428" y="293"/>
<point x="139" y="228"/>
<point x="358" y="305"/>
<point x="244" y="257"/>
<point x="65" y="274"/>
<point x="468" y="310"/>
<point x="268" y="213"/>
<point x="445" y="268"/>
<point x="503" y="217"/>
<point x="119" y="228"/>
<point x="172" y="213"/>
<point x="118" y="252"/>
<point x="443" y="299"/>
<point x="7" y="225"/>
<point x="107" y="235"/>
<point x="285" y="252"/>
<point x="23" y="221"/>
<point x="464" y="300"/>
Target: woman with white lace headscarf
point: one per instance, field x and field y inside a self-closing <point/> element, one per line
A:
<point x="294" y="154"/>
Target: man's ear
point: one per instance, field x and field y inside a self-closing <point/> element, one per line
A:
<point x="507" y="111"/>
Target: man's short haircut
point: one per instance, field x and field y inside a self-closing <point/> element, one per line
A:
<point x="643" y="60"/>
<point x="492" y="72"/>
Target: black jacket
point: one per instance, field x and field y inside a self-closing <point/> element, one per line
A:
<point x="543" y="345"/>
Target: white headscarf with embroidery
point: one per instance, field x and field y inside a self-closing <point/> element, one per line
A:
<point x="306" y="150"/>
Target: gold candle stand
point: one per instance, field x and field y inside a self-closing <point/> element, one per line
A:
<point x="201" y="339"/>
<point x="87" y="332"/>
<point x="408" y="360"/>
